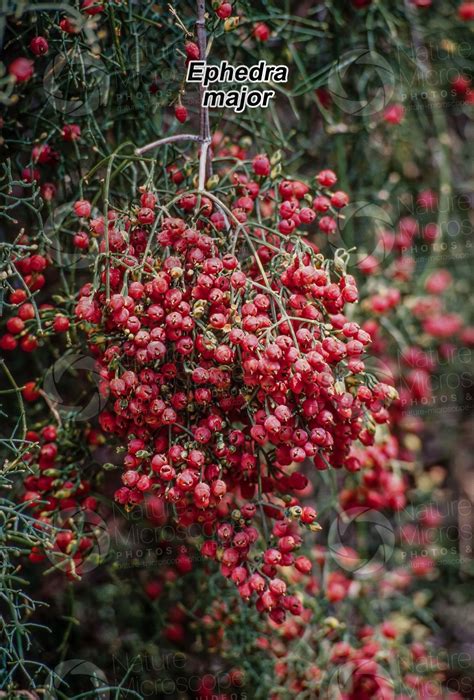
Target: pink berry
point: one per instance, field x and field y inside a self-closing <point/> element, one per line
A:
<point x="21" y="69"/>
<point x="39" y="46"/>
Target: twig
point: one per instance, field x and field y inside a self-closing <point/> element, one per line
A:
<point x="204" y="128"/>
<point x="20" y="398"/>
<point x="203" y="162"/>
<point x="51" y="406"/>
<point x="167" y="139"/>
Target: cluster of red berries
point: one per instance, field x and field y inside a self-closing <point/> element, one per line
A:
<point x="350" y="656"/>
<point x="57" y="486"/>
<point x="229" y="361"/>
<point x="27" y="319"/>
<point x="411" y="368"/>
<point x="30" y="269"/>
<point x="294" y="210"/>
<point x="44" y="159"/>
<point x="380" y="487"/>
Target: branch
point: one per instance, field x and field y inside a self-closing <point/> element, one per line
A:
<point x="204" y="165"/>
<point x="51" y="406"/>
<point x="204" y="127"/>
<point x="167" y="139"/>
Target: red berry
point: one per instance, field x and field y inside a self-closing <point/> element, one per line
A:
<point x="71" y="132"/>
<point x="92" y="7"/>
<point x="308" y="515"/>
<point x="61" y="324"/>
<point x="181" y="113"/>
<point x="81" y="240"/>
<point x="15" y="325"/>
<point x="29" y="343"/>
<point x="39" y="46"/>
<point x="18" y="296"/>
<point x="224" y="11"/>
<point x="261" y="165"/>
<point x="146" y="216"/>
<point x="48" y="191"/>
<point x="327" y="224"/>
<point x="26" y="312"/>
<point x="394" y="114"/>
<point x="466" y="11"/>
<point x="21" y="69"/>
<point x="68" y="26"/>
<point x="326" y="178"/>
<point x="339" y="200"/>
<point x="30" y="174"/>
<point x="303" y="565"/>
<point x="8" y="342"/>
<point x="148" y="200"/>
<point x="83" y="208"/>
<point x="29" y="392"/>
<point x="307" y="215"/>
<point x="192" y="50"/>
<point x="261" y="31"/>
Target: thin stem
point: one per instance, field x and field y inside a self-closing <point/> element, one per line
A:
<point x="203" y="161"/>
<point x="20" y="399"/>
<point x="205" y="131"/>
<point x="164" y="141"/>
<point x="51" y="406"/>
